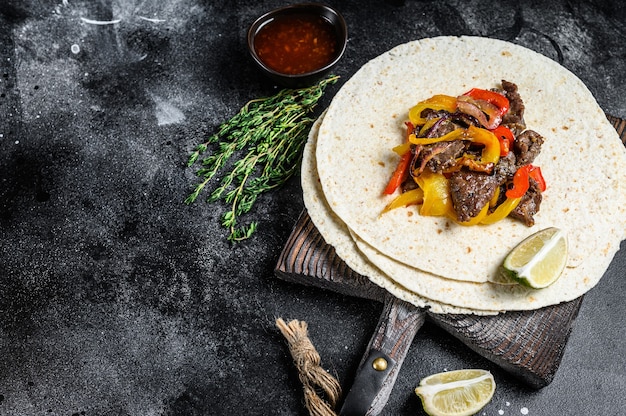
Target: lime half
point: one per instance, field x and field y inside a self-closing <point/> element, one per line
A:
<point x="456" y="393"/>
<point x="539" y="260"/>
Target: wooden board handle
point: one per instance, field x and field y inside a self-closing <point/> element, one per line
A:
<point x="377" y="372"/>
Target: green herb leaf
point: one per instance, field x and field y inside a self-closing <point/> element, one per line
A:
<point x="267" y="136"/>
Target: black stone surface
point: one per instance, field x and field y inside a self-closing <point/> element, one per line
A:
<point x="118" y="299"/>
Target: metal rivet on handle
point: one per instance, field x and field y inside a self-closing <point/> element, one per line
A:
<point x="379" y="364"/>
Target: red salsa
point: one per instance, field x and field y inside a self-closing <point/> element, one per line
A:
<point x="296" y="43"/>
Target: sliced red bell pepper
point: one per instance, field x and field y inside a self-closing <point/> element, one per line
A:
<point x="521" y="181"/>
<point x="410" y="128"/>
<point x="493" y="97"/>
<point x="536" y="174"/>
<point x="506" y="138"/>
<point x="402" y="169"/>
<point x="400" y="174"/>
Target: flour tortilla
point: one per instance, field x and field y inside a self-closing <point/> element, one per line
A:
<point x="582" y="160"/>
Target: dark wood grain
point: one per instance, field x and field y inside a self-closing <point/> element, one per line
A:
<point x="528" y="344"/>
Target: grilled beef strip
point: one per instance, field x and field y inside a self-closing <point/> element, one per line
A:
<point x="514" y="118"/>
<point x="506" y="167"/>
<point x="441" y="128"/>
<point x="439" y="156"/>
<point x="470" y="191"/>
<point x="527" y="146"/>
<point x="529" y="205"/>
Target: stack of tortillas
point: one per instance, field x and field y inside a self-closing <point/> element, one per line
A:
<point x="431" y="261"/>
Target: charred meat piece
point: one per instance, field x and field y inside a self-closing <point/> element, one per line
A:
<point x="514" y="118"/>
<point x="437" y="157"/>
<point x="429" y="113"/>
<point x="506" y="167"/>
<point x="464" y="120"/>
<point x="447" y="122"/>
<point x="529" y="205"/>
<point x="470" y="191"/>
<point x="409" y="184"/>
<point x="527" y="146"/>
<point x="441" y="127"/>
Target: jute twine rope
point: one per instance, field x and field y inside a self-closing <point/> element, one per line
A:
<point x="313" y="377"/>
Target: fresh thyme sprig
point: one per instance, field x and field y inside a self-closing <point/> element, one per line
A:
<point x="268" y="134"/>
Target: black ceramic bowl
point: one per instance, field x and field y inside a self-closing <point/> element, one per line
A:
<point x="333" y="23"/>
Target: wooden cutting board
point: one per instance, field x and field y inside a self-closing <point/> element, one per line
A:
<point x="528" y="344"/>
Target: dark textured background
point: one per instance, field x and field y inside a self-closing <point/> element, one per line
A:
<point x="118" y="299"/>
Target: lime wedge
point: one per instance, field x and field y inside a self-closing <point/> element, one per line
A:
<point x="539" y="260"/>
<point x="456" y="393"/>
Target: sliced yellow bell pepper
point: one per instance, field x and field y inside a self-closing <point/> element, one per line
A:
<point x="453" y="135"/>
<point x="437" y="201"/>
<point x="491" y="152"/>
<point x="436" y="102"/>
<point x="403" y="148"/>
<point x="503" y="211"/>
<point x="494" y="198"/>
<point x="412" y="197"/>
<point x="428" y="125"/>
